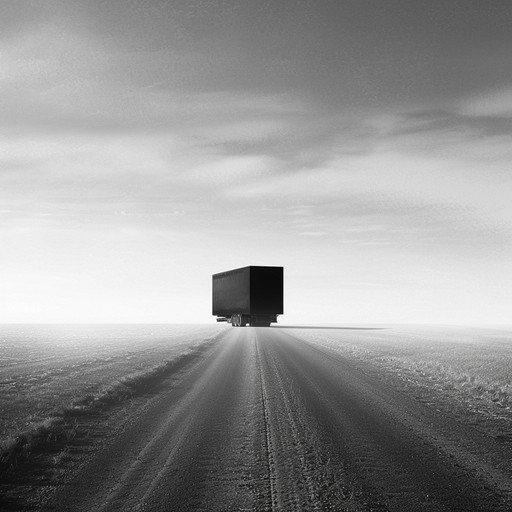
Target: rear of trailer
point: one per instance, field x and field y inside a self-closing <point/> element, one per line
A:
<point x="248" y="296"/>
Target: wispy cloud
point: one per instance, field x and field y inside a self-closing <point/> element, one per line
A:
<point x="313" y="233"/>
<point x="493" y="103"/>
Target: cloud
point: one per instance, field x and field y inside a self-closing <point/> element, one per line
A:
<point x="57" y="80"/>
<point x="496" y="103"/>
<point x="314" y="233"/>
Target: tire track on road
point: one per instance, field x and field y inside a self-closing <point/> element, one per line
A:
<point x="306" y="478"/>
<point x="268" y="439"/>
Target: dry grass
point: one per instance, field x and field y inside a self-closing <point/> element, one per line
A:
<point x="44" y="368"/>
<point x="63" y="424"/>
<point x="474" y="362"/>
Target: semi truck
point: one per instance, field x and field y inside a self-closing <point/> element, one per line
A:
<point x="248" y="296"/>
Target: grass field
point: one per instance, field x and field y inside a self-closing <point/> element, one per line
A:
<point x="45" y="369"/>
<point x="475" y="362"/>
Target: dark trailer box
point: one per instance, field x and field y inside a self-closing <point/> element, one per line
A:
<point x="248" y="291"/>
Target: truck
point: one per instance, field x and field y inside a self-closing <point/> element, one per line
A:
<point x="248" y="296"/>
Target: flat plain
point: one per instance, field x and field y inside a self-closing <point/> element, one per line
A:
<point x="47" y="368"/>
<point x="282" y="418"/>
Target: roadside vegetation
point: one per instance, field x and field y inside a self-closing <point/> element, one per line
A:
<point x="475" y="363"/>
<point x="58" y="418"/>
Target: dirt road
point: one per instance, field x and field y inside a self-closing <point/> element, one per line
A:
<point x="264" y="420"/>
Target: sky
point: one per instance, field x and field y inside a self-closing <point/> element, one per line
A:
<point x="366" y="146"/>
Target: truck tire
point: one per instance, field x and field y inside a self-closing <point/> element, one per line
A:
<point x="236" y="320"/>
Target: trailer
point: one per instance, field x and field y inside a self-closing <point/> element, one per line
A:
<point x="248" y="296"/>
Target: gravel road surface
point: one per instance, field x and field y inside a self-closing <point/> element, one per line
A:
<point x="263" y="420"/>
